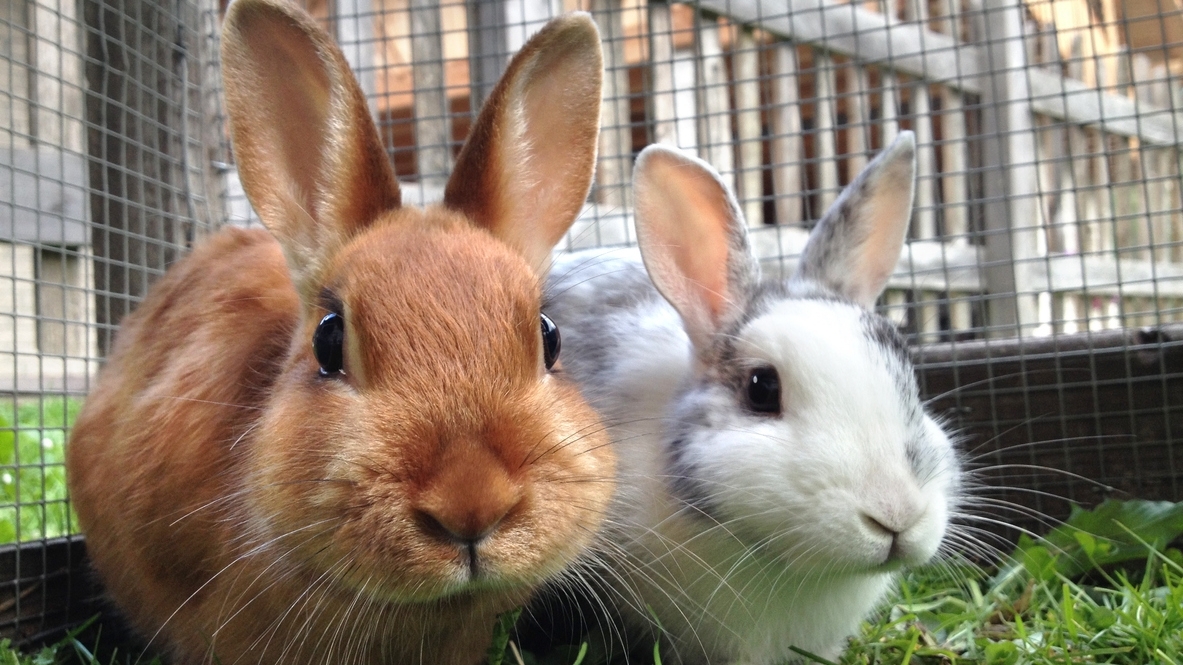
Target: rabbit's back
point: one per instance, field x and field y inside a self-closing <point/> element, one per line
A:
<point x="154" y="448"/>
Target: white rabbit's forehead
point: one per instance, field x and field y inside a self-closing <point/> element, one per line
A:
<point x="828" y="348"/>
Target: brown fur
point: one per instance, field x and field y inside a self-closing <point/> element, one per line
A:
<point x="240" y="507"/>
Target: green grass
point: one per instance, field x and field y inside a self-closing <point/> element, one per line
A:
<point x="1013" y="617"/>
<point x="1107" y="587"/>
<point x="1104" y="588"/>
<point x="32" y="469"/>
<point x="70" y="650"/>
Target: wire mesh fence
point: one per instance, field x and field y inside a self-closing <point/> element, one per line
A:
<point x="1041" y="283"/>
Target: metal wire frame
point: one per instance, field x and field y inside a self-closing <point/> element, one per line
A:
<point x="1041" y="282"/>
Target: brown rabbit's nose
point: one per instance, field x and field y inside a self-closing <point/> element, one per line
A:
<point x="469" y="495"/>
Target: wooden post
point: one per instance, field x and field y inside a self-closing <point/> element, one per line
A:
<point x="785" y="118"/>
<point x="714" y="128"/>
<point x="135" y="93"/>
<point x="354" y="20"/>
<point x="523" y="18"/>
<point x="614" y="168"/>
<point x="858" y="119"/>
<point x="826" y="149"/>
<point x="746" y="63"/>
<point x="488" y="51"/>
<point x="954" y="165"/>
<point x="889" y="129"/>
<point x="661" y="49"/>
<point x="889" y="106"/>
<point x="433" y="131"/>
<point x="1010" y="177"/>
<point x="924" y="210"/>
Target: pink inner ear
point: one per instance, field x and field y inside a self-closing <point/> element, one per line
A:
<point x="293" y="95"/>
<point x="880" y="252"/>
<point x="702" y="251"/>
<point x="686" y="217"/>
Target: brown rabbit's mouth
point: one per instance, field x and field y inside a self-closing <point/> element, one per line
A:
<point x="459" y="584"/>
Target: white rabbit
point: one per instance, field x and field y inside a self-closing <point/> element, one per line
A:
<point x="777" y="467"/>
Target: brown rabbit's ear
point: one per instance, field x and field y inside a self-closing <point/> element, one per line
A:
<point x="526" y="169"/>
<point x="308" y="152"/>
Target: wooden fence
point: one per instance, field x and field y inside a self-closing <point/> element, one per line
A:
<point x="1048" y="197"/>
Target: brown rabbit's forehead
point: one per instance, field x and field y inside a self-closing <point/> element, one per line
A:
<point x="425" y="289"/>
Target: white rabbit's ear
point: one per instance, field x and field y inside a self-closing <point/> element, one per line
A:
<point x="526" y="169"/>
<point x="693" y="240"/>
<point x="308" y="152"/>
<point x="854" y="249"/>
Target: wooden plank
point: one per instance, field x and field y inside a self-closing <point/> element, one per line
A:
<point x="869" y="37"/>
<point x="938" y="266"/>
<point x="525" y="17"/>
<point x="354" y="20"/>
<point x="858" y="118"/>
<point x="909" y="49"/>
<point x="42" y="196"/>
<point x="615" y="159"/>
<point x="889" y="118"/>
<point x="924" y="218"/>
<point x="433" y="131"/>
<point x="488" y="50"/>
<point x="785" y="119"/>
<point x="1074" y="187"/>
<point x="954" y="161"/>
<point x="1010" y="178"/>
<point x="1104" y="275"/>
<point x="714" y="120"/>
<point x="661" y="46"/>
<point x="825" y="145"/>
<point x="927" y="264"/>
<point x="746" y="64"/>
<point x="136" y="153"/>
<point x="1075" y="102"/>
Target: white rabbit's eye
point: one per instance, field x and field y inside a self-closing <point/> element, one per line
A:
<point x="551" y="342"/>
<point x="764" y="390"/>
<point x="327" y="344"/>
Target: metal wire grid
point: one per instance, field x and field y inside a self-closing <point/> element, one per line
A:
<point x="104" y="181"/>
<point x="1047" y="203"/>
<point x="1048" y="198"/>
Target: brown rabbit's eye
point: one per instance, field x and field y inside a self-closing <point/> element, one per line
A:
<point x="551" y="343"/>
<point x="328" y="342"/>
<point x="764" y="390"/>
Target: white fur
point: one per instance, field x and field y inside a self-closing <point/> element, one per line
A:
<point x="747" y="533"/>
<point x="794" y="486"/>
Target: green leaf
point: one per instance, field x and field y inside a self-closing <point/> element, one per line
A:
<point x="1001" y="653"/>
<point x="501" y="633"/>
<point x="1114" y="532"/>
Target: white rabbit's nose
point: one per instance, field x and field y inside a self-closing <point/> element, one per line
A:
<point x="892" y="520"/>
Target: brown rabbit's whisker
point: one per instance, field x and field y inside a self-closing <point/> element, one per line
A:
<point x="568" y="287"/>
<point x="571" y="438"/>
<point x="246" y="407"/>
<point x="245" y="555"/>
<point x="282" y="576"/>
<point x="244" y="434"/>
<point x="273" y="627"/>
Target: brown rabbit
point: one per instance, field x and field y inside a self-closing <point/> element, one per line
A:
<point x="347" y="446"/>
